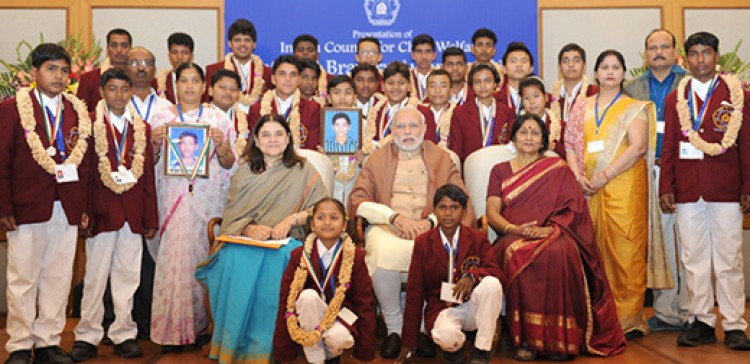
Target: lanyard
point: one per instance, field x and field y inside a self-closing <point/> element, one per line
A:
<point x="385" y="127"/>
<point x="487" y="122"/>
<point x="568" y="104"/>
<point x="452" y="260"/>
<point x="245" y="78"/>
<point x="121" y="146"/>
<point x="512" y="103"/>
<point x="697" y="120"/>
<point x="437" y="121"/>
<point x="287" y="112"/>
<point x="328" y="276"/>
<point x="600" y="120"/>
<point x="52" y="128"/>
<point x="653" y="84"/>
<point x="148" y="109"/>
<point x="201" y="158"/>
<point x="182" y="117"/>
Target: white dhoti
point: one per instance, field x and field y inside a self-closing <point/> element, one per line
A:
<point x="40" y="269"/>
<point x="479" y="313"/>
<point x="113" y="256"/>
<point x="310" y="310"/>
<point x="711" y="235"/>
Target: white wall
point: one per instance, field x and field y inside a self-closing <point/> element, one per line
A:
<point x="26" y="24"/>
<point x="151" y="27"/>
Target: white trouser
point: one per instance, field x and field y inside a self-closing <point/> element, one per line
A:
<point x="40" y="269"/>
<point x="711" y="234"/>
<point x="387" y="287"/>
<point x="479" y="313"/>
<point x="671" y="305"/>
<point x="114" y="256"/>
<point x="310" y="310"/>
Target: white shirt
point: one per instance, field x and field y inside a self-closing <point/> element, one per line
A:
<point x="119" y="121"/>
<point x="326" y="255"/>
<point x="365" y="106"/>
<point x="422" y="79"/>
<point x="576" y="88"/>
<point x="701" y="88"/>
<point x="454" y="241"/>
<point x="50" y="103"/>
<point x="396" y="107"/>
<point x="283" y="105"/>
<point x="513" y="95"/>
<point x="458" y="98"/>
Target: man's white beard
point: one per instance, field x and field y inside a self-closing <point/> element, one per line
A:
<point x="417" y="145"/>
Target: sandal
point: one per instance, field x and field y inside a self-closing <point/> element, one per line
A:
<point x="524" y="354"/>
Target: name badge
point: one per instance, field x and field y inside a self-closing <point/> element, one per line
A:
<point x="347" y="316"/>
<point x="446" y="293"/>
<point x="689" y="151"/>
<point x="596" y="146"/>
<point x="66" y="172"/>
<point x="660" y="126"/>
<point x="123" y="177"/>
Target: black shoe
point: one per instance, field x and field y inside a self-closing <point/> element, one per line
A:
<point x="107" y="341"/>
<point x="128" y="349"/>
<point x="736" y="340"/>
<point x="391" y="346"/>
<point x="201" y="340"/>
<point x="83" y="351"/>
<point x="457" y="357"/>
<point x="51" y="355"/>
<point x="425" y="347"/>
<point x="699" y="334"/>
<point x="335" y="360"/>
<point x="635" y="334"/>
<point x="170" y="349"/>
<point x="19" y="357"/>
<point x="480" y="356"/>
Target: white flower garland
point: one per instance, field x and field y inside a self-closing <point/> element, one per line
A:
<point x="101" y="145"/>
<point x="258" y="82"/>
<point x="294" y="122"/>
<point x="556" y="94"/>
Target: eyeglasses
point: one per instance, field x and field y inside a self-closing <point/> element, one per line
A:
<point x="140" y="62"/>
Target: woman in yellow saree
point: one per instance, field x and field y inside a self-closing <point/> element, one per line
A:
<point x="610" y="150"/>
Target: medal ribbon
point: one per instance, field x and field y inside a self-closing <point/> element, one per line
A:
<point x="387" y="120"/>
<point x="568" y="104"/>
<point x="487" y="123"/>
<point x="122" y="146"/>
<point x="698" y="114"/>
<point x="148" y="109"/>
<point x="286" y="113"/>
<point x="437" y="122"/>
<point x="419" y="88"/>
<point x="600" y="120"/>
<point x="53" y="128"/>
<point x="245" y="78"/>
<point x="182" y="117"/>
<point x="452" y="260"/>
<point x="327" y="273"/>
<point x="201" y="157"/>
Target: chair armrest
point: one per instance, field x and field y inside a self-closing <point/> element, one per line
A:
<point x="483" y="223"/>
<point x="211" y="231"/>
<point x="360" y="224"/>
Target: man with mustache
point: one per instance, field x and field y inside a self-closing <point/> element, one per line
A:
<point x="663" y="76"/>
<point x="119" y="42"/>
<point x="392" y="193"/>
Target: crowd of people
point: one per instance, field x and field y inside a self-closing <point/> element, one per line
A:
<point x="614" y="187"/>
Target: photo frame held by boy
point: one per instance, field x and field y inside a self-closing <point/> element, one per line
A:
<point x="341" y="130"/>
<point x="187" y="150"/>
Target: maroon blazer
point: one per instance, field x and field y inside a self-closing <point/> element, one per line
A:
<point x="212" y="68"/>
<point x="169" y="90"/>
<point x="560" y="144"/>
<point x="359" y="299"/>
<point x="109" y="211"/>
<point x="27" y="191"/>
<point x="429" y="269"/>
<point x="466" y="130"/>
<point x="721" y="178"/>
<point x="430" y="132"/>
<point x="88" y="88"/>
<point x="309" y="115"/>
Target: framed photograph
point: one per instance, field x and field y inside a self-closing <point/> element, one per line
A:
<point x="341" y="130"/>
<point x="187" y="150"/>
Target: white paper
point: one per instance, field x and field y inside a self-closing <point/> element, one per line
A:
<point x="66" y="172"/>
<point x="446" y="293"/>
<point x="122" y="178"/>
<point x="596" y="146"/>
<point x="660" y="126"/>
<point x="347" y="316"/>
<point x="689" y="151"/>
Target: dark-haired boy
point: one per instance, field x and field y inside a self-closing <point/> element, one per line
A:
<point x="454" y="62"/>
<point x="308" y="83"/>
<point x="518" y="63"/>
<point x="368" y="52"/>
<point x="255" y="77"/>
<point x="423" y="54"/>
<point x="123" y="208"/>
<point x="44" y="183"/>
<point x="119" y="42"/>
<point x="571" y="61"/>
<point x="181" y="47"/>
<point x="484" y="47"/>
<point x="365" y="77"/>
<point x="454" y="274"/>
<point x="305" y="46"/>
<point x="438" y="109"/>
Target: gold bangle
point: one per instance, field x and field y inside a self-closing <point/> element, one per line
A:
<point x="507" y="228"/>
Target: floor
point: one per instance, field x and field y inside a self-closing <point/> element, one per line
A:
<point x="655" y="348"/>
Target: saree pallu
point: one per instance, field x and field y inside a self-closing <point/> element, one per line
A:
<point x="244" y="284"/>
<point x="557" y="296"/>
<point x="625" y="211"/>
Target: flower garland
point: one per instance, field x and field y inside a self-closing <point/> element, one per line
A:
<point x="242" y="130"/>
<point x="322" y="82"/>
<point x="308" y="338"/>
<point x="101" y="145"/>
<point x="257" y="66"/>
<point x="161" y="82"/>
<point x="445" y="124"/>
<point x="556" y="95"/>
<point x="344" y="175"/>
<point x="372" y="124"/>
<point x="28" y="122"/>
<point x="737" y="99"/>
<point x="294" y="123"/>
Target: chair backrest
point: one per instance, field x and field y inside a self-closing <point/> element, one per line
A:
<point x="322" y="164"/>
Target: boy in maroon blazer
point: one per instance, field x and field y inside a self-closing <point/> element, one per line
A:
<point x="123" y="206"/>
<point x="286" y="100"/>
<point x="119" y="42"/>
<point x="483" y="120"/>
<point x="44" y="179"/>
<point x="454" y="272"/>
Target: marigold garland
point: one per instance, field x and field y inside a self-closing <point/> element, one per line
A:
<point x="445" y="124"/>
<point x="258" y="82"/>
<point x="309" y="338"/>
<point x="344" y="175"/>
<point x="161" y="82"/>
<point x="243" y="130"/>
<point x="294" y="123"/>
<point x="28" y="122"/>
<point x="372" y="124"/>
<point x="737" y="99"/>
<point x="101" y="145"/>
<point x="555" y="106"/>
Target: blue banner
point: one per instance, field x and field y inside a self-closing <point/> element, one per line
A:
<point x="338" y="24"/>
